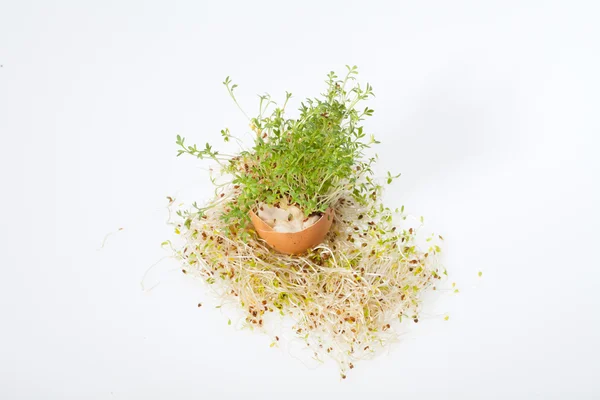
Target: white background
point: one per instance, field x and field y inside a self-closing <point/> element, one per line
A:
<point x="489" y="109"/>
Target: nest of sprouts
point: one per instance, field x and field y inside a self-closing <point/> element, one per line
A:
<point x="347" y="296"/>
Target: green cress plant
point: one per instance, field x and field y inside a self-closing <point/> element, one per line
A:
<point x="308" y="161"/>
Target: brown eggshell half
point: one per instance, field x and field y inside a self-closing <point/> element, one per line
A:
<point x="296" y="242"/>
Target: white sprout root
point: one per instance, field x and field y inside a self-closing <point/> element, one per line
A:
<point x="347" y="295"/>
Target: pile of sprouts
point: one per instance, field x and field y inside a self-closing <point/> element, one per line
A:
<point x="348" y="295"/>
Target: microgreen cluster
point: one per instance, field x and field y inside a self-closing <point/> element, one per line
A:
<point x="308" y="161"/>
<point x="349" y="294"/>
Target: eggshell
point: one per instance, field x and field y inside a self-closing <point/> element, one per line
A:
<point x="294" y="242"/>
